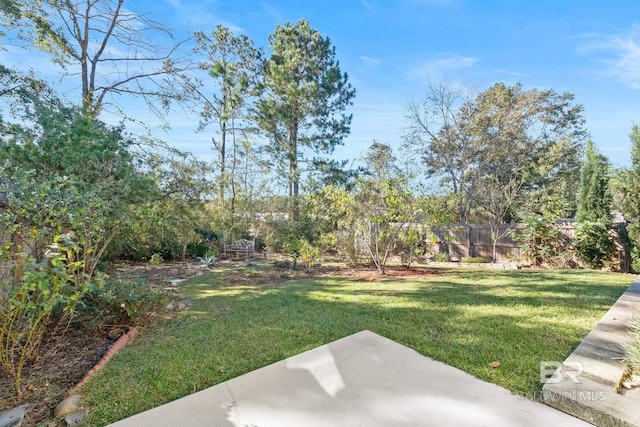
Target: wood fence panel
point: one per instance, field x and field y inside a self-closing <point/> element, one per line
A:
<point x="473" y="240"/>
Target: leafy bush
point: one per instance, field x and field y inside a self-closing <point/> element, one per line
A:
<point x="126" y="302"/>
<point x="134" y="251"/>
<point x="541" y="242"/>
<point x="633" y="231"/>
<point x="197" y="249"/>
<point x="208" y="235"/>
<point x="349" y="247"/>
<point x="442" y="257"/>
<point x="309" y="253"/>
<point x="593" y="244"/>
<point x="284" y="236"/>
<point x="408" y="245"/>
<point x="56" y="284"/>
<point x="156" y="259"/>
<point x="170" y="250"/>
<point x="327" y="242"/>
<point x="476" y="260"/>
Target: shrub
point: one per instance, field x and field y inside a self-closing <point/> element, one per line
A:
<point x="284" y="236"/>
<point x="593" y="244"/>
<point x="197" y="249"/>
<point x="309" y="253"/>
<point x="156" y="259"/>
<point x="348" y="246"/>
<point x="170" y="250"/>
<point x="633" y="231"/>
<point x="327" y="242"/>
<point x="541" y="242"/>
<point x="56" y="284"/>
<point x="126" y="302"/>
<point x="409" y="245"/>
<point x="442" y="257"/>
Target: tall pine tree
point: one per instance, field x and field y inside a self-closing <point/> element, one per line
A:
<point x="306" y="96"/>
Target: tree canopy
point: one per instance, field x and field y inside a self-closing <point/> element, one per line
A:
<point x="111" y="49"/>
<point x="306" y="95"/>
<point x="493" y="147"/>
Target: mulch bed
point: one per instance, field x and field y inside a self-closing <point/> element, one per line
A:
<point x="68" y="351"/>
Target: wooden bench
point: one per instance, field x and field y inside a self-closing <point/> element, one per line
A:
<point x="241" y="246"/>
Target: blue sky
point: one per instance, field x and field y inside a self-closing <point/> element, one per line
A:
<point x="390" y="49"/>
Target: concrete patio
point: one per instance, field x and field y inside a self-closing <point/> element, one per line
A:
<point x="361" y="380"/>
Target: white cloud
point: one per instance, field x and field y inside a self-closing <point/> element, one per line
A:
<point x="431" y="3"/>
<point x="618" y="53"/>
<point x="195" y="15"/>
<point x="372" y="61"/>
<point x="233" y="27"/>
<point x="443" y="64"/>
<point x="273" y="12"/>
<point x="369" y="63"/>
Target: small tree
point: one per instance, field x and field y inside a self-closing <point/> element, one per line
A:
<point x="370" y="219"/>
<point x="541" y="241"/>
<point x="232" y="62"/>
<point x="26" y="305"/>
<point x="593" y="242"/>
<point x="66" y="181"/>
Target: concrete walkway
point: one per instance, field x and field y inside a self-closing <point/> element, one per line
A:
<point x="585" y="385"/>
<point x="361" y="380"/>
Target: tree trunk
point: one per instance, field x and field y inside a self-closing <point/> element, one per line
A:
<point x="223" y="160"/>
<point x="234" y="162"/>
<point x="294" y="173"/>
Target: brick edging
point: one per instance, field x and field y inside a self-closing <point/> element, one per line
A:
<point x="115" y="348"/>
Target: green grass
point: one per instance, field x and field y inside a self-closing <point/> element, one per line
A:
<point x="466" y="318"/>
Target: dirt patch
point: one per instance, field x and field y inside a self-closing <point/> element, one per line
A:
<point x="68" y="351"/>
<point x="158" y="275"/>
<point x="266" y="274"/>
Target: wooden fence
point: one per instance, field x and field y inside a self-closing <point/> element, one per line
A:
<point x="472" y="240"/>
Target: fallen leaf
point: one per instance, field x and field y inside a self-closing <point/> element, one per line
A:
<point x="494" y="364"/>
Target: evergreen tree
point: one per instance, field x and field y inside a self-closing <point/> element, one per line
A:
<point x="594" y="201"/>
<point x="631" y="202"/>
<point x="305" y="100"/>
<point x="593" y="242"/>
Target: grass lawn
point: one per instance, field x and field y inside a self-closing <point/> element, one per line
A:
<point x="466" y="318"/>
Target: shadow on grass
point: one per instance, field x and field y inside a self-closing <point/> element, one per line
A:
<point x="467" y="320"/>
<point x="460" y="323"/>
